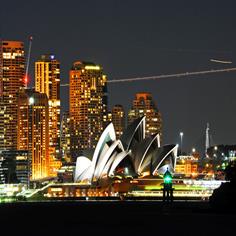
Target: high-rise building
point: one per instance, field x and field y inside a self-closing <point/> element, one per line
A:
<point x="143" y="104"/>
<point x="15" y="167"/>
<point x="107" y="119"/>
<point x="47" y="80"/>
<point x="65" y="135"/>
<point x="33" y="135"/>
<point x="12" y="74"/>
<point x="88" y="105"/>
<point x="118" y="119"/>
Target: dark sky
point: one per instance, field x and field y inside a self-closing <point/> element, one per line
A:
<point x="143" y="38"/>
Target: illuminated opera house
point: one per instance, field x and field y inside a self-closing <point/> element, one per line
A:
<point x="132" y="155"/>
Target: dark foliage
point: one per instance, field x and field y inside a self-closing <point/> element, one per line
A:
<point x="224" y="197"/>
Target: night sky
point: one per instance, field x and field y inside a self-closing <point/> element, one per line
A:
<point x="143" y="38"/>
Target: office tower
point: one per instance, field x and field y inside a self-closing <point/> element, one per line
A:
<point x="143" y="104"/>
<point x="65" y="135"/>
<point x="88" y="105"/>
<point x="47" y="80"/>
<point x="12" y="73"/>
<point x="107" y="119"/>
<point x="15" y="167"/>
<point x="118" y="119"/>
<point x="33" y="130"/>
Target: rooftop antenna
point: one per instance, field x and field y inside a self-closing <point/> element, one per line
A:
<point x="28" y="62"/>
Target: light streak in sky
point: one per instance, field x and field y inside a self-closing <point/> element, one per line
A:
<point x="221" y="61"/>
<point x="165" y="76"/>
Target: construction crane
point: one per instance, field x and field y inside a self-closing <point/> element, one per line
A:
<point x="28" y="62"/>
<point x="177" y="75"/>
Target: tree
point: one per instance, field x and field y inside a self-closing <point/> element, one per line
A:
<point x="230" y="172"/>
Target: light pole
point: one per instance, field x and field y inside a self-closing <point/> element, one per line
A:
<point x="181" y="141"/>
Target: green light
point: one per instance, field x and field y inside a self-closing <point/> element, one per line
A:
<point x="223" y="166"/>
<point x="167" y="179"/>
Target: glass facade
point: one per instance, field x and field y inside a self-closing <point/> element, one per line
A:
<point x="143" y="104"/>
<point x="88" y="106"/>
<point x="33" y="130"/>
<point x="12" y="80"/>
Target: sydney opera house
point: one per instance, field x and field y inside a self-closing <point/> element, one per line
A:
<point x="132" y="155"/>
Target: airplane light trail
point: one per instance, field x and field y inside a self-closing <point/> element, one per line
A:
<point x="177" y="75"/>
<point x="221" y="61"/>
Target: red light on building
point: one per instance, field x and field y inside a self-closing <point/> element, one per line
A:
<point x="26" y="79"/>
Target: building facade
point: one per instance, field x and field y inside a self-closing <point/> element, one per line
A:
<point x="88" y="106"/>
<point x="143" y="104"/>
<point x="12" y="80"/>
<point x="187" y="166"/>
<point x="118" y="119"/>
<point x="15" y="167"/>
<point x="33" y="130"/>
<point x="47" y="80"/>
<point x="65" y="135"/>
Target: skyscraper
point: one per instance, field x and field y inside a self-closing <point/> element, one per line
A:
<point x="33" y="135"/>
<point x="88" y="105"/>
<point x="47" y="80"/>
<point x="15" y="167"/>
<point x="12" y="73"/>
<point x="107" y="119"/>
<point x="65" y="135"/>
<point x="118" y="119"/>
<point x="143" y="104"/>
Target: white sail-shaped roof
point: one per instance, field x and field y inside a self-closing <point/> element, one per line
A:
<point x="135" y="132"/>
<point x="107" y="167"/>
<point x="82" y="163"/>
<point x="108" y="135"/>
<point x="117" y="161"/>
<point x="104" y="159"/>
<point x="144" y="154"/>
<point x="167" y="153"/>
<point x="86" y="176"/>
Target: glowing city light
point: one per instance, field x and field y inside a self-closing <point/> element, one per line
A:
<point x="168" y="179"/>
<point x="31" y="100"/>
<point x="92" y="68"/>
<point x="26" y="79"/>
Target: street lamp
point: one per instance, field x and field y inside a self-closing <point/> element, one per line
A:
<point x="193" y="150"/>
<point x="181" y="141"/>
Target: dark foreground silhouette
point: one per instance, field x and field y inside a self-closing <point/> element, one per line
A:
<point x="115" y="218"/>
<point x="224" y="197"/>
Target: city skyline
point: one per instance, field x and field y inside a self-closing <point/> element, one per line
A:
<point x="186" y="104"/>
<point x="117" y="117"/>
